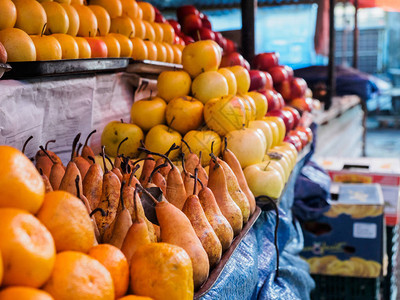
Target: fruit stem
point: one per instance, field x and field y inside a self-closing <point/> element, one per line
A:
<point x="187" y="145"/>
<point x="144" y="149"/>
<point x="109" y="160"/>
<point x="156" y="169"/>
<point x="147" y="193"/>
<point x="103" y="213"/>
<point x="212" y="147"/>
<point x="26" y="143"/>
<point x="214" y="158"/>
<point x="225" y="143"/>
<point x="139" y="160"/>
<point x="78" y="191"/>
<point x="198" y="180"/>
<point x="130" y="179"/>
<point x="48" y="155"/>
<point x="137" y="167"/>
<point x="92" y="159"/>
<point x="104" y="160"/>
<point x="88" y="137"/>
<point x="79" y="148"/>
<point x="200" y="155"/>
<point x="266" y="167"/>
<point x="183" y="164"/>
<point x="196" y="171"/>
<point x="48" y="142"/>
<point x="40" y="171"/>
<point x="74" y="143"/>
<point x="43" y="29"/>
<point x="119" y="145"/>
<point x="135" y="205"/>
<point x="121" y="195"/>
<point x="170" y="124"/>
<point x="122" y="120"/>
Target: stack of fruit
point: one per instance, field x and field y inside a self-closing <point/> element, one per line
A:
<point x="45" y="30"/>
<point x="193" y="25"/>
<point x="204" y="104"/>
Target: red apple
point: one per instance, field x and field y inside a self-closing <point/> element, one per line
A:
<point x="270" y="83"/>
<point x="302" y="104"/>
<point x="272" y="98"/>
<point x="302" y="135"/>
<point x="219" y="38"/>
<point x="98" y="47"/>
<point x="203" y="34"/>
<point x="230" y="46"/>
<point x="295" y="141"/>
<point x="280" y="100"/>
<point x="175" y="25"/>
<point x="232" y="59"/>
<point x="264" y="61"/>
<point x="306" y="130"/>
<point x="187" y="39"/>
<point x="246" y="65"/>
<point x="258" y="80"/>
<point x="191" y="23"/>
<point x="295" y="113"/>
<point x="285" y="115"/>
<point x="298" y="87"/>
<point x="284" y="89"/>
<point x="278" y="74"/>
<point x="206" y="23"/>
<point x="289" y="71"/>
<point x="185" y="10"/>
<point x="159" y="18"/>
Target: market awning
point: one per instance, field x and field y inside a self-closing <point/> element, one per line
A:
<point x="389" y="5"/>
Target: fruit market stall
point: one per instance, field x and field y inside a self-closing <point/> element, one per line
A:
<point x="185" y="151"/>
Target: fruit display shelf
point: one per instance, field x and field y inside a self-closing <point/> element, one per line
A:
<point x="216" y="272"/>
<point x="4" y="68"/>
<point x="65" y="67"/>
<point x="150" y="67"/>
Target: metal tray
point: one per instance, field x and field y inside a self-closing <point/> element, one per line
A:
<point x="4" y="68"/>
<point x="150" y="67"/>
<point x="65" y="67"/>
<point x="216" y="272"/>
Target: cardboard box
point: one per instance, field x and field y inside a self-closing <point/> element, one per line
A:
<point x="349" y="239"/>
<point x="385" y="171"/>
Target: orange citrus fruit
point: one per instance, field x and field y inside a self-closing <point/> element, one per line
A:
<point x="133" y="297"/>
<point x="79" y="276"/>
<point x="23" y="292"/>
<point x="162" y="271"/>
<point x="21" y="185"/>
<point x="1" y="269"/>
<point x="115" y="262"/>
<point x="67" y="219"/>
<point x="27" y="248"/>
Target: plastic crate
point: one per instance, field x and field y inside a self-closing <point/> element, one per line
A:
<point x="389" y="288"/>
<point x="345" y="288"/>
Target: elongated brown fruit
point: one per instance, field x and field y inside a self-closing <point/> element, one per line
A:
<point x="44" y="162"/>
<point x="176" y="229"/>
<point x="233" y="162"/>
<point x="228" y="207"/>
<point x="57" y="172"/>
<point x="148" y="167"/>
<point x="118" y="160"/>
<point x="193" y="210"/>
<point x="193" y="161"/>
<point x="218" y="222"/>
<point x="123" y="221"/>
<point x="82" y="164"/>
<point x="188" y="182"/>
<point x="93" y="184"/>
<point x="175" y="192"/>
<point x="96" y="229"/>
<point x="87" y="150"/>
<point x="136" y="236"/>
<point x="47" y="185"/>
<point x="109" y="199"/>
<point x="235" y="191"/>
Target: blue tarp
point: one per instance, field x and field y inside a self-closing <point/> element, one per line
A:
<point x="250" y="272"/>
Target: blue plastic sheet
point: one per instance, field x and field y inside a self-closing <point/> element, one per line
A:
<point x="250" y="272"/>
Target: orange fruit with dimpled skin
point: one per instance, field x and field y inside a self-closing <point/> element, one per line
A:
<point x="69" y="46"/>
<point x="170" y="52"/>
<point x="139" y="49"/>
<point x="125" y="44"/>
<point x="23" y="292"/>
<point x="79" y="276"/>
<point x="113" y="46"/>
<point x="151" y="50"/>
<point x="27" y="248"/>
<point x="21" y="185"/>
<point x="18" y="45"/>
<point x="130" y="8"/>
<point x="115" y="262"/>
<point x="84" y="47"/>
<point x="172" y="84"/>
<point x="159" y="32"/>
<point x="66" y="217"/>
<point x="114" y="7"/>
<point x="169" y="33"/>
<point x="87" y="21"/>
<point x="73" y="18"/>
<point x="8" y="14"/>
<point x="150" y="34"/>
<point x="161" y="52"/>
<point x="47" y="47"/>
<point x="123" y="25"/>
<point x="149" y="14"/>
<point x="140" y="28"/>
<point x="177" y="54"/>
<point x="31" y="16"/>
<point x="160" y="269"/>
<point x="103" y="19"/>
<point x="57" y="18"/>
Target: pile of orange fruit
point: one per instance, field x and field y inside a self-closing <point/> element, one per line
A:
<point x="48" y="249"/>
